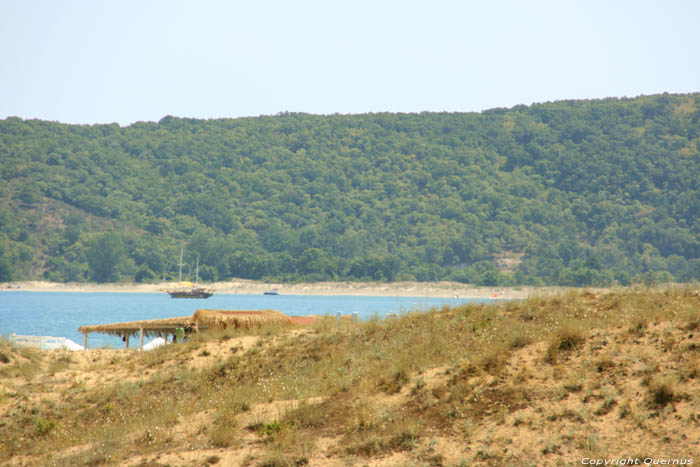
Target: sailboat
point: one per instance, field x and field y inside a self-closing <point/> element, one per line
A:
<point x="187" y="289"/>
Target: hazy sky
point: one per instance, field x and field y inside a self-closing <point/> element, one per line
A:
<point x="123" y="61"/>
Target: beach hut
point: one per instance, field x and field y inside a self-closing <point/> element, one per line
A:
<point x="151" y="327"/>
<point x="204" y="319"/>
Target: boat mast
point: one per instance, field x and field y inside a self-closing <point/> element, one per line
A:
<point x="196" y="281"/>
<point x="180" y="278"/>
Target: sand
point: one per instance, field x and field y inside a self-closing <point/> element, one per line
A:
<point x="242" y="286"/>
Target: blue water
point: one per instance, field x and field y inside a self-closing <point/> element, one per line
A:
<point x="59" y="314"/>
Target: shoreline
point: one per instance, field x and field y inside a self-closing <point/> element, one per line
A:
<point x="250" y="287"/>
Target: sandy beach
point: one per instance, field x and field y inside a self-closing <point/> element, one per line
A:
<point x="242" y="286"/>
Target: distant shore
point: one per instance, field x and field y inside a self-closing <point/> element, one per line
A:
<point x="242" y="286"/>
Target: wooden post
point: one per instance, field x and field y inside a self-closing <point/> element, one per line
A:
<point x="127" y="340"/>
<point x="141" y="336"/>
<point x="85" y="341"/>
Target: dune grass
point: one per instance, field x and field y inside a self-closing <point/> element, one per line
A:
<point x="335" y="370"/>
<point x="16" y="361"/>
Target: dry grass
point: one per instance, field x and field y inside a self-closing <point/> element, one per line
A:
<point x="223" y="319"/>
<point x="662" y="391"/>
<point x="17" y="361"/>
<point x="472" y="383"/>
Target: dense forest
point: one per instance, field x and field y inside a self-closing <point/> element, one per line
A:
<point x="591" y="192"/>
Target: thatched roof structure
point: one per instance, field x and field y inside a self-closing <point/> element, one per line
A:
<point x="151" y="327"/>
<point x="203" y="318"/>
<point x="238" y="318"/>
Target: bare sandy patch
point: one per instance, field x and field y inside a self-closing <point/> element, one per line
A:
<point x="344" y="288"/>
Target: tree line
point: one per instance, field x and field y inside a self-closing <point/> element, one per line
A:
<point x="590" y="192"/>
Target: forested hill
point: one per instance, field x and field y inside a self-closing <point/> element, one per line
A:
<point x="570" y="192"/>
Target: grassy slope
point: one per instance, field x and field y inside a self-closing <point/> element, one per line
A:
<point x="543" y="381"/>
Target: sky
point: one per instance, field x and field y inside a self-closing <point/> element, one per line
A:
<point x="125" y="61"/>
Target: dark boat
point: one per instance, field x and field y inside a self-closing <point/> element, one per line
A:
<point x="192" y="292"/>
<point x="188" y="289"/>
<point x="271" y="292"/>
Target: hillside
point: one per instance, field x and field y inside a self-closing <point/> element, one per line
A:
<point x="563" y="193"/>
<point x="543" y="381"/>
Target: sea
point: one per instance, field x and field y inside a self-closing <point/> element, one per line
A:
<point x="59" y="314"/>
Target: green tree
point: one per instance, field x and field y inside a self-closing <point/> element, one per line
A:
<point x="5" y="269"/>
<point x="104" y="256"/>
<point x="144" y="274"/>
<point x="29" y="194"/>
